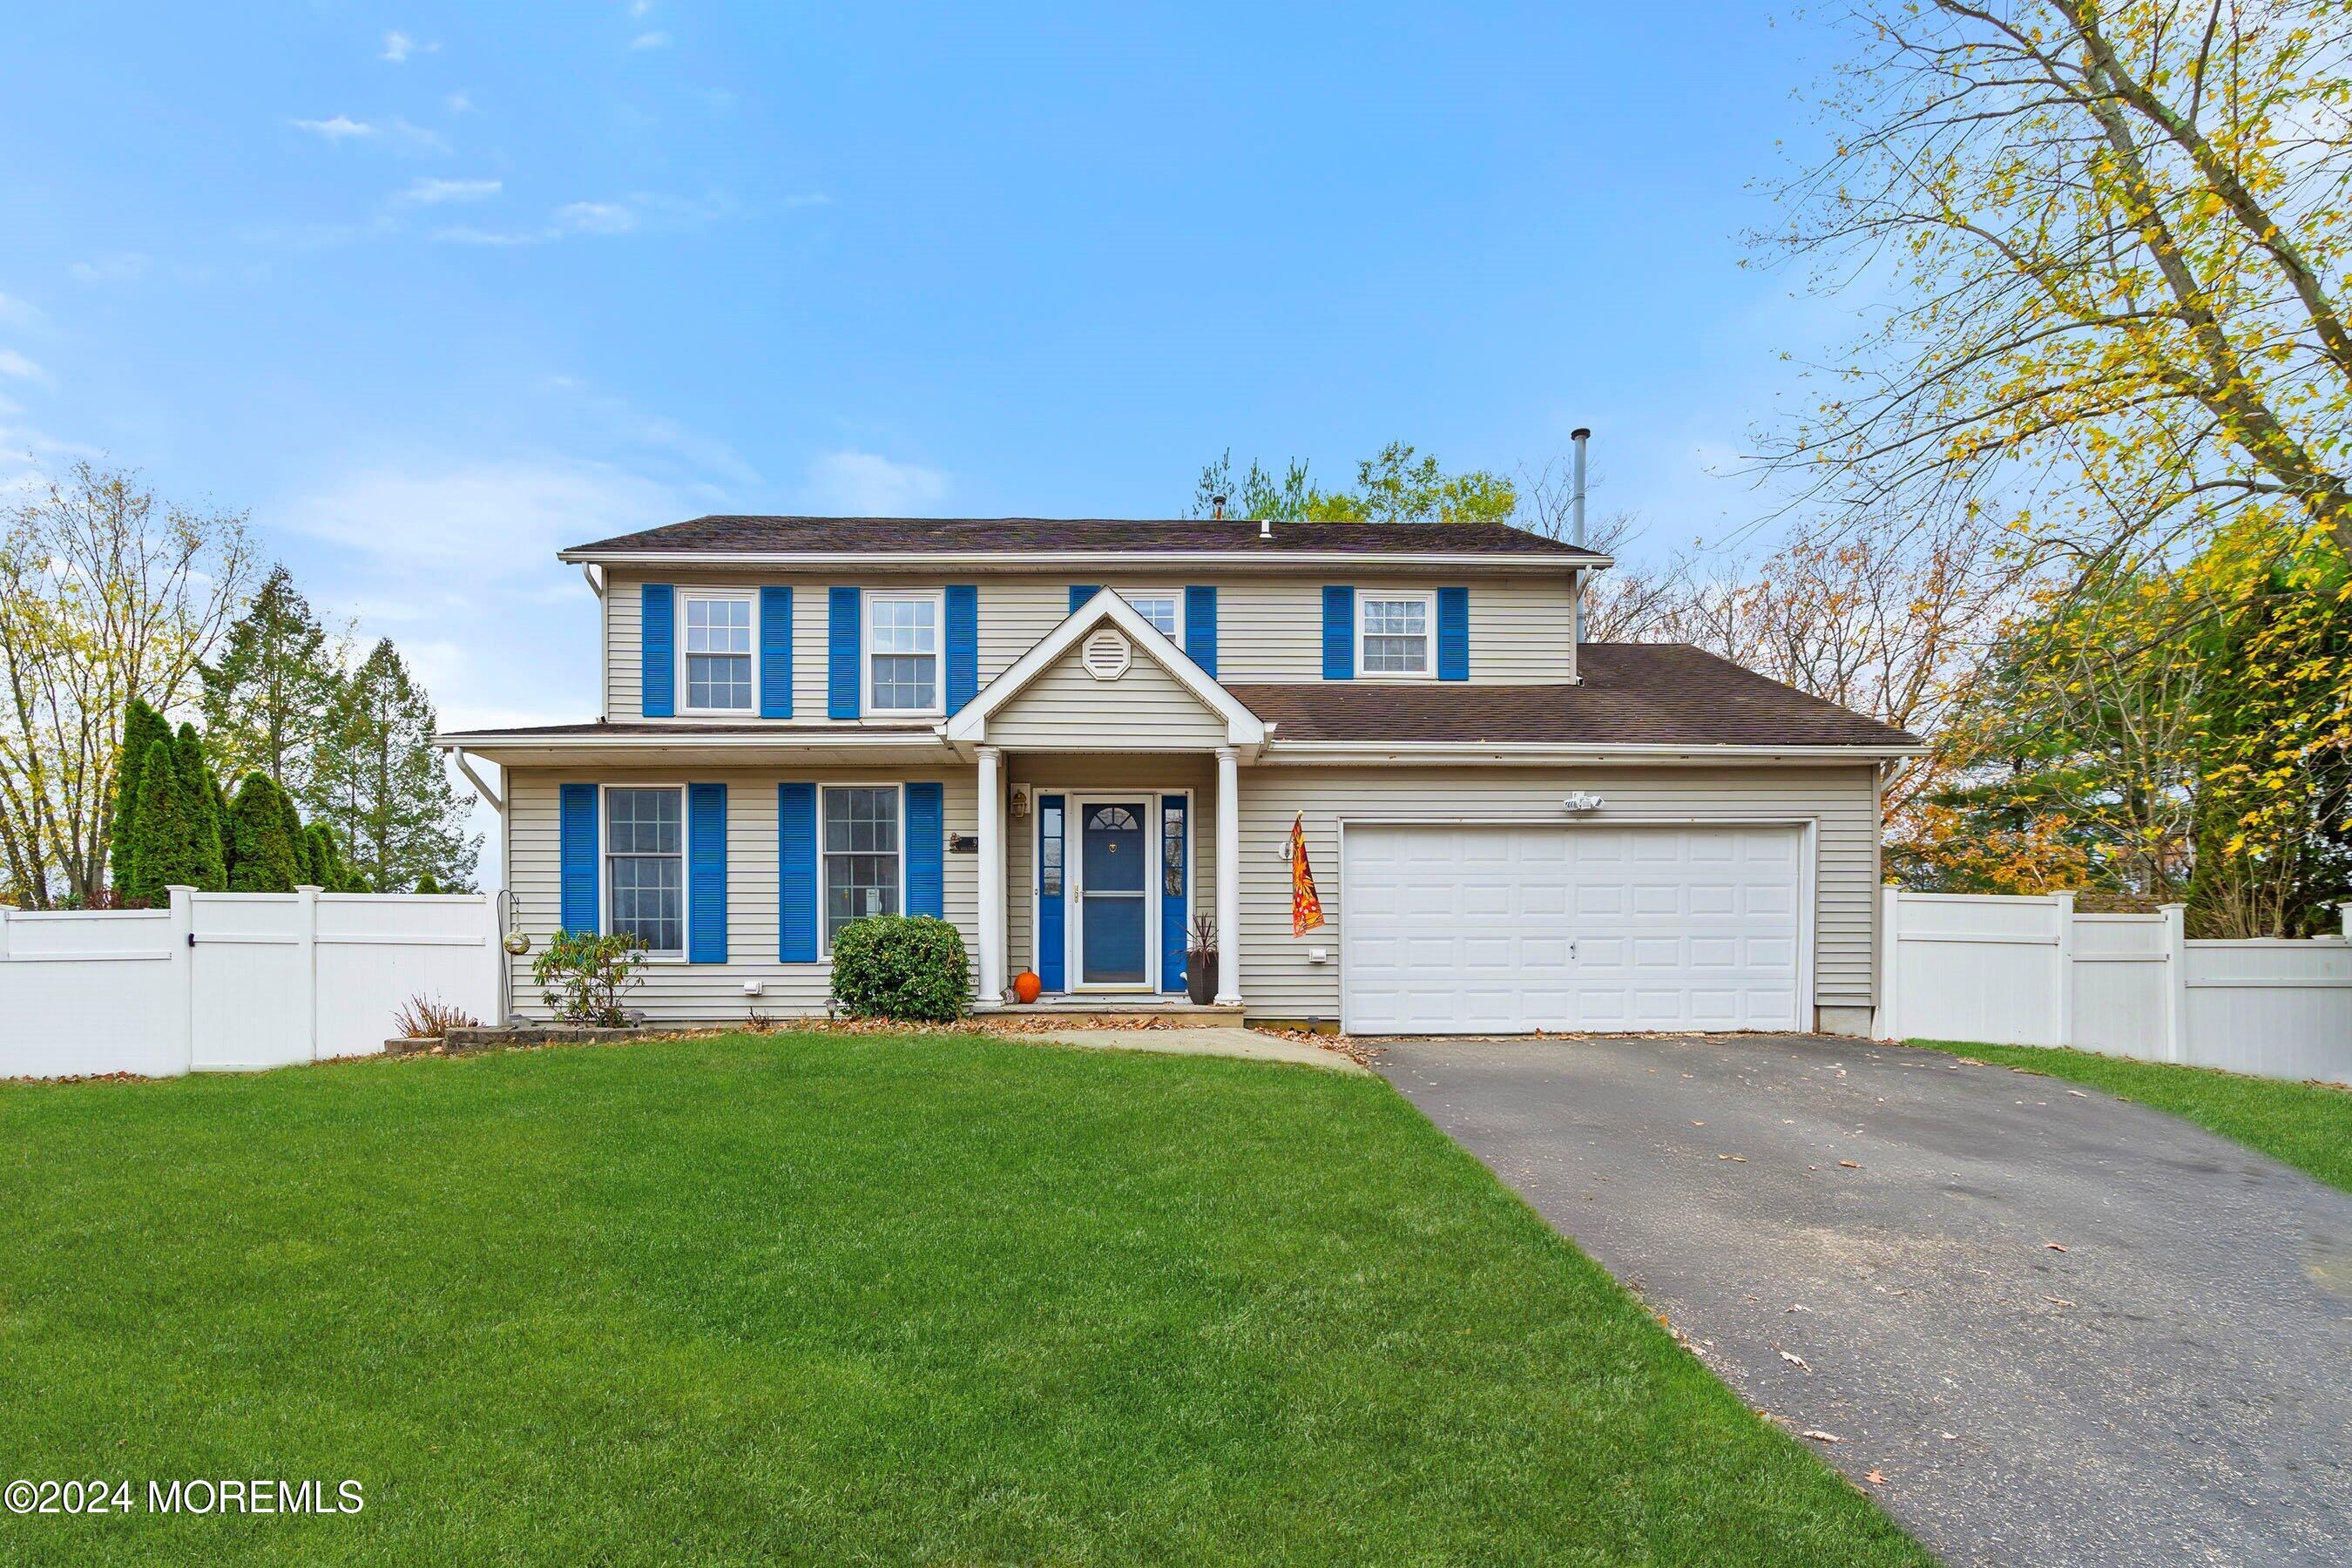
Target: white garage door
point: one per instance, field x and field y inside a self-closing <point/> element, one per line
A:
<point x="1466" y="929"/>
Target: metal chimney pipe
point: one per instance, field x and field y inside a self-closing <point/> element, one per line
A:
<point x="1580" y="435"/>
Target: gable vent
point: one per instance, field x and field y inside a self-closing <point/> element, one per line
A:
<point x="1106" y="654"/>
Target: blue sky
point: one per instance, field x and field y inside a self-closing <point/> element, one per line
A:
<point x="434" y="290"/>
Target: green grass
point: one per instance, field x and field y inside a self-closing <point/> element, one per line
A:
<point x="874" y="1298"/>
<point x="2306" y="1125"/>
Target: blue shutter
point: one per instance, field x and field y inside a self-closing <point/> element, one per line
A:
<point x="706" y="873"/>
<point x="775" y="653"/>
<point x="1453" y="634"/>
<point x="1079" y="594"/>
<point x="1050" y="941"/>
<point x="842" y="685"/>
<point x="963" y="645"/>
<point x="926" y="891"/>
<point x="657" y="651"/>
<point x="796" y="873"/>
<point x="1338" y="634"/>
<point x="1175" y="833"/>
<point x="1200" y="627"/>
<point x="582" y="911"/>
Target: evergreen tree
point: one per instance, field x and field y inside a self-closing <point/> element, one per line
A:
<point x="386" y="789"/>
<point x="202" y="792"/>
<point x="266" y="859"/>
<point x="425" y="884"/>
<point x="269" y="700"/>
<point x="174" y="842"/>
<point x="141" y="727"/>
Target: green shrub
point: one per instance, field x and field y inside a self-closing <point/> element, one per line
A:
<point x="907" y="968"/>
<point x="583" y="976"/>
<point x="265" y="854"/>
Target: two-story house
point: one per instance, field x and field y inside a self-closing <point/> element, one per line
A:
<point x="1071" y="737"/>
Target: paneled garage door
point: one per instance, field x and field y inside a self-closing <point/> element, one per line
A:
<point x="1493" y="930"/>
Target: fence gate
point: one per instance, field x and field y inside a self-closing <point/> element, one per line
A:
<point x="252" y="981"/>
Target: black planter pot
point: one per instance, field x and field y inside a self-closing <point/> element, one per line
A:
<point x="1201" y="977"/>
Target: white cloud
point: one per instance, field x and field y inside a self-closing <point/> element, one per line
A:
<point x="657" y="39"/>
<point x="466" y="234"/>
<point x="595" y="217"/>
<point x="860" y="484"/>
<point x="15" y="312"/>
<point x="342" y="128"/>
<point x="481" y="522"/>
<point x="13" y="363"/>
<point x="640" y="7"/>
<point x="120" y="266"/>
<point x="459" y="103"/>
<point x="427" y="190"/>
<point x="396" y="46"/>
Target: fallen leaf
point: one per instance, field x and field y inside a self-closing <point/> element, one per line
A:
<point x="2078" y="1094"/>
<point x="1698" y="1124"/>
<point x="2058" y="1300"/>
<point x="1874" y="1478"/>
<point x="1793" y="1359"/>
<point x="1818" y="1436"/>
<point x="1800" y="1307"/>
<point x="1948" y="1437"/>
<point x="1742" y="1158"/>
<point x="1849" y="1164"/>
<point x="2053" y="1247"/>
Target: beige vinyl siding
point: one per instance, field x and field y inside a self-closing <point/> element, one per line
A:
<point x="1143" y="773"/>
<point x="702" y="992"/>
<point x="1277" y="980"/>
<point x="1270" y="628"/>
<point x="1145" y="709"/>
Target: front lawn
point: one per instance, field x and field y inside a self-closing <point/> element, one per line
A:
<point x="846" y="1298"/>
<point x="2306" y="1125"/>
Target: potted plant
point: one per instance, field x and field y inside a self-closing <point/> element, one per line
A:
<point x="1200" y="961"/>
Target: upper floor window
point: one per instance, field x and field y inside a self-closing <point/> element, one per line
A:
<point x="1162" y="610"/>
<point x="644" y="867"/>
<point x="718" y="652"/>
<point x="902" y="653"/>
<point x="1394" y="633"/>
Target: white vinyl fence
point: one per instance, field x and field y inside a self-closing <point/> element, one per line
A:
<point x="223" y="982"/>
<point x="2032" y="971"/>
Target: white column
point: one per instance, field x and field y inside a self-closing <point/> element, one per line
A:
<point x="305" y="904"/>
<point x="992" y="876"/>
<point x="184" y="939"/>
<point x="1229" y="878"/>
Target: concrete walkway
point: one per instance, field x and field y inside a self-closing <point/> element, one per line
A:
<point x="1248" y="1044"/>
<point x="2043" y="1324"/>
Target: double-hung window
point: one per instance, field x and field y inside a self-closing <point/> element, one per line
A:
<point x="718" y="652"/>
<point x="862" y="863"/>
<point x="1394" y="634"/>
<point x="644" y="863"/>
<point x="1161" y="609"/>
<point x="902" y="653"/>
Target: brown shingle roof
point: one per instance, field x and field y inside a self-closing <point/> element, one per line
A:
<point x="1023" y="535"/>
<point x="1664" y="694"/>
<point x="630" y="729"/>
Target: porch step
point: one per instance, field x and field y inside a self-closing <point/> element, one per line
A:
<point x="1179" y="1014"/>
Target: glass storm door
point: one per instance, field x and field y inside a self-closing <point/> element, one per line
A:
<point x="1115" y="880"/>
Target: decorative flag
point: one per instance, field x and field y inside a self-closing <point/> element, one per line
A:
<point x="1306" y="909"/>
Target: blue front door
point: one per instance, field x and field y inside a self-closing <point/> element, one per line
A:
<point x="1115" y="880"/>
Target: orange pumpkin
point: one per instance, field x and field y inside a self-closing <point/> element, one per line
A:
<point x="1026" y="986"/>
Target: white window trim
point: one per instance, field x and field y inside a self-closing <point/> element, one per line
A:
<point x="685" y="867"/>
<point x="686" y="687"/>
<point x="867" y="707"/>
<point x="1364" y="598"/>
<point x="823" y="936"/>
<point x="1175" y="594"/>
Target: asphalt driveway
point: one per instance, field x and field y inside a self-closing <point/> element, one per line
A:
<point x="1858" y="1238"/>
